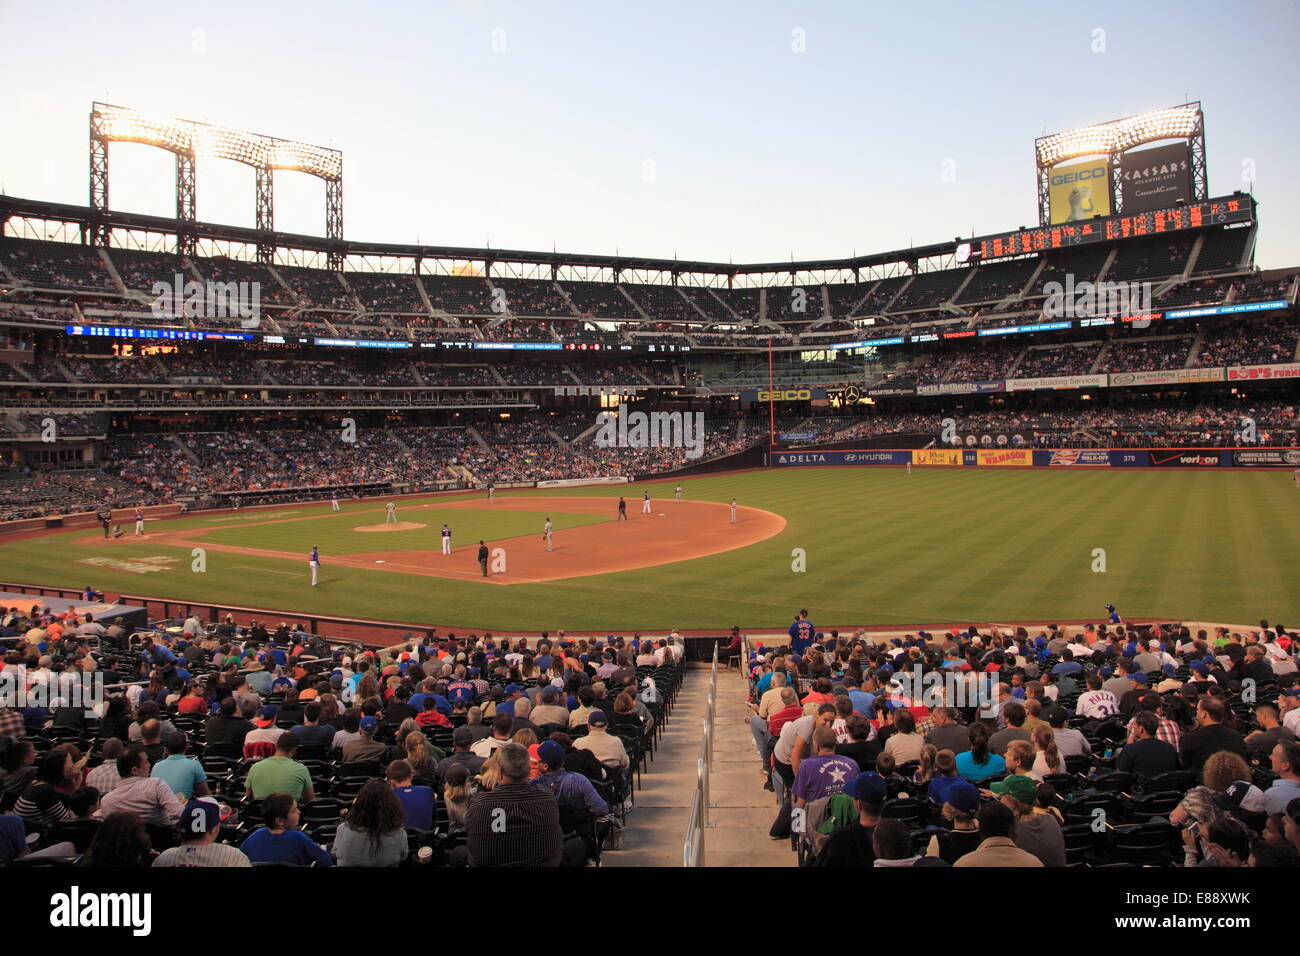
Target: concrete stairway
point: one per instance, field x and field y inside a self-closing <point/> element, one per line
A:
<point x="741" y="810"/>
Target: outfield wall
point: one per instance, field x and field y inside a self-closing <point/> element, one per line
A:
<point x="1044" y="458"/>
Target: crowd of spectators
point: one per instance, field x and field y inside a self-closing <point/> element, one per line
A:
<point x="1002" y="747"/>
<point x="236" y="746"/>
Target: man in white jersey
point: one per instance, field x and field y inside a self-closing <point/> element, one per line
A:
<point x="548" y="533"/>
<point x="391" y="510"/>
<point x="645" y="502"/>
<point x="678" y="494"/>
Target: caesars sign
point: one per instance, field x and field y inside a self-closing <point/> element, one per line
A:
<point x="1157" y="178"/>
<point x="1079" y="191"/>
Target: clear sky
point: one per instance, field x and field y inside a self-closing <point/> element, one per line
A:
<point x="750" y="131"/>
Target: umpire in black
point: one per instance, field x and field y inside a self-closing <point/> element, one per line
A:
<point x="105" y="516"/>
<point x="483" y="557"/>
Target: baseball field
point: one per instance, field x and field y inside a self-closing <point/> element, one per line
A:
<point x="876" y="547"/>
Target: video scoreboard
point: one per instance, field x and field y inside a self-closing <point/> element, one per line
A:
<point x="1066" y="235"/>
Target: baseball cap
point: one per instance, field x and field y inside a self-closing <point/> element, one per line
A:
<point x="1241" y="795"/>
<point x="550" y="753"/>
<point x="1138" y="678"/>
<point x="462" y="736"/>
<point x="266" y="716"/>
<point x="1019" y="786"/>
<point x="514" y="688"/>
<point x="201" y="815"/>
<point x="550" y="692"/>
<point x="597" y="718"/>
<point x="369" y="723"/>
<point x="963" y="796"/>
<point x="868" y="787"/>
<point x="1106" y="671"/>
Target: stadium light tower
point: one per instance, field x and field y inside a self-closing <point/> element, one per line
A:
<point x="188" y="141"/>
<point x="1115" y="138"/>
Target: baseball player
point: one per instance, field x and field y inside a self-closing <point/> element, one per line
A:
<point x="492" y="490"/>
<point x="678" y="494"/>
<point x="139" y="522"/>
<point x="334" y="501"/>
<point x="622" y="511"/>
<point x="235" y="501"/>
<point x="391" y="510"/>
<point x="645" y="502"/>
<point x="446" y="540"/>
<point x="909" y="467"/>
<point x="313" y="562"/>
<point x="733" y="510"/>
<point x="105" y="518"/>
<point x="483" y="557"/>
<point x="548" y="533"/>
<point x="1297" y="477"/>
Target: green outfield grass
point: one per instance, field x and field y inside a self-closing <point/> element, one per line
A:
<point x="883" y="547"/>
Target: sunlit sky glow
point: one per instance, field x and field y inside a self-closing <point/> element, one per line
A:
<point x="674" y="128"/>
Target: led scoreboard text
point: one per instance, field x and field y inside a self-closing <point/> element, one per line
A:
<point x="1213" y="212"/>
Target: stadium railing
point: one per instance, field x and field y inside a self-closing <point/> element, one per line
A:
<point x="698" y="820"/>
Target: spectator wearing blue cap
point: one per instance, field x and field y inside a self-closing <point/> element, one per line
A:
<point x="572" y="790"/>
<point x="961" y="802"/>
<point x="365" y="746"/>
<point x="200" y="825"/>
<point x="851" y="845"/>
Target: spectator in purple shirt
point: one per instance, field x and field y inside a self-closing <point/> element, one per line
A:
<point x="824" y="774"/>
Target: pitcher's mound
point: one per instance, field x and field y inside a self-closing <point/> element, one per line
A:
<point x="400" y="526"/>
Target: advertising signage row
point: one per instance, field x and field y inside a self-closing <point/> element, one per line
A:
<point x="1047" y="458"/>
<point x="1182" y="376"/>
<point x="187" y="335"/>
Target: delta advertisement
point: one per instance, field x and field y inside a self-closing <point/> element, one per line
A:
<point x="800" y="459"/>
<point x="1158" y="178"/>
<point x="1079" y="191"/>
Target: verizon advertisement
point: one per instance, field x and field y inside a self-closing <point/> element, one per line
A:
<point x="1156" y="178"/>
<point x="1187" y="457"/>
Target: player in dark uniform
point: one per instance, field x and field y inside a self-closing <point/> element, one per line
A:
<point x="105" y="517"/>
<point x="622" y="510"/>
<point x="483" y="557"/>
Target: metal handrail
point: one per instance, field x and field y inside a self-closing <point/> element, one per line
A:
<point x="698" y="821"/>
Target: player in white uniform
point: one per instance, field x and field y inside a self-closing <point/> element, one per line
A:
<point x="446" y="540"/>
<point x="678" y="494"/>
<point x="909" y="467"/>
<point x="645" y="502"/>
<point x="492" y="490"/>
<point x="1297" y="477"/>
<point x="733" y="510"/>
<point x="313" y="562"/>
<point x="139" y="522"/>
<point x="391" y="509"/>
<point x="334" y="502"/>
<point x="548" y="532"/>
